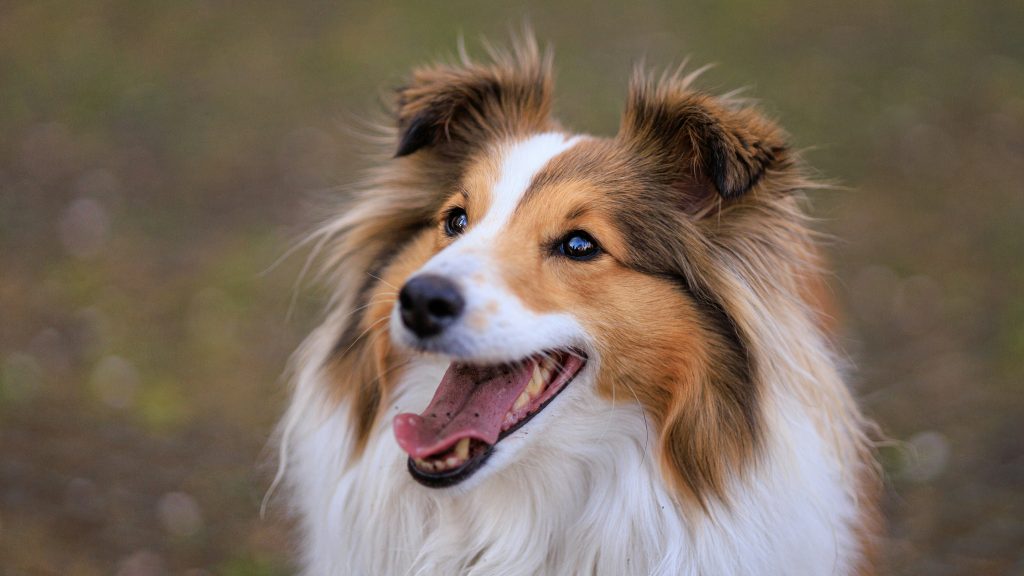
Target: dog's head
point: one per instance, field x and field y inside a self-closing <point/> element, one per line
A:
<point x="540" y="261"/>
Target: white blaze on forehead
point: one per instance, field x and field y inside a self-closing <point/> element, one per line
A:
<point x="509" y="331"/>
<point x="520" y="163"/>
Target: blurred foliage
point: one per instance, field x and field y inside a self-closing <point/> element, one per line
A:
<point x="158" y="158"/>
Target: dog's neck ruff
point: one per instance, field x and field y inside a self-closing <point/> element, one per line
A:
<point x="589" y="500"/>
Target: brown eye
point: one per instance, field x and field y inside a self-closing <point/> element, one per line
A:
<point x="455" y="222"/>
<point x="578" y="245"/>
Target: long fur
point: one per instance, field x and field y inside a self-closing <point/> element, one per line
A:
<point x="729" y="446"/>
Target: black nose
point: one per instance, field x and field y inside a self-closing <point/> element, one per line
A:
<point x="429" y="303"/>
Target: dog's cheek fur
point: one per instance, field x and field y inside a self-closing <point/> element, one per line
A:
<point x="659" y="345"/>
<point x="658" y="348"/>
<point x="370" y="365"/>
<point x="681" y="357"/>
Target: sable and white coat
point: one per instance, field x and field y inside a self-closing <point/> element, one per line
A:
<point x="709" y="432"/>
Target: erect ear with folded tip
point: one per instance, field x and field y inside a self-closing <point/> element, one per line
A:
<point x="451" y="109"/>
<point x="697" y="138"/>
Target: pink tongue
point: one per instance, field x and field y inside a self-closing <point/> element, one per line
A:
<point x="470" y="402"/>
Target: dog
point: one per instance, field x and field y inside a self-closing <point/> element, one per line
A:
<point x="557" y="353"/>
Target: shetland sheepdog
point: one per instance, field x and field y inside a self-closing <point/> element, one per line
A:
<point x="557" y="353"/>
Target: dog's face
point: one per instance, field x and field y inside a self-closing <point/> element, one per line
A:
<point x="525" y="282"/>
<point x="495" y="252"/>
<point x="548" y="262"/>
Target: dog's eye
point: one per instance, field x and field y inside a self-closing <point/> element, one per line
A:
<point x="579" y="245"/>
<point x="455" y="222"/>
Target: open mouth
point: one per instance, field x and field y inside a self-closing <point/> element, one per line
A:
<point x="474" y="408"/>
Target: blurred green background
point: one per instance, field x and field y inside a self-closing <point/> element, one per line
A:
<point x="156" y="158"/>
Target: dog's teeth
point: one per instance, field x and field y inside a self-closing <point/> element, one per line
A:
<point x="536" y="381"/>
<point x="462" y="449"/>
<point x="425" y="465"/>
<point x="451" y="462"/>
<point x="523" y="399"/>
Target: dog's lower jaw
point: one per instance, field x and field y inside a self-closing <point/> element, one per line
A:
<point x="581" y="495"/>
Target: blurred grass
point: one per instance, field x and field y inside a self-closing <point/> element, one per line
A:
<point x="157" y="158"/>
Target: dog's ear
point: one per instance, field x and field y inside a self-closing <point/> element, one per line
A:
<point x="693" y="138"/>
<point x="452" y="108"/>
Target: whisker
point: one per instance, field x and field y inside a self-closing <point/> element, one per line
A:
<point x="383" y="298"/>
<point x="371" y="303"/>
<point x="383" y="281"/>
<point x="574" y="354"/>
<point x="324" y="239"/>
<point x="364" y="333"/>
<point x="295" y="247"/>
<point x="391" y="369"/>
